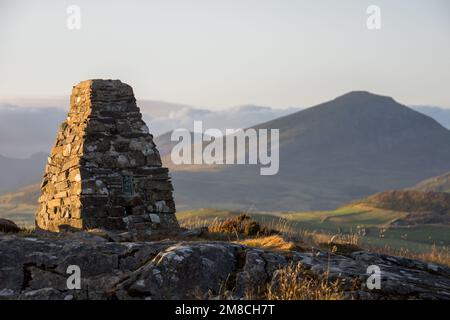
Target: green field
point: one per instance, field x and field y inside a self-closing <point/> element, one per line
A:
<point x="373" y="225"/>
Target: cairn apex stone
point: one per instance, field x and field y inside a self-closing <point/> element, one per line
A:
<point x="104" y="170"/>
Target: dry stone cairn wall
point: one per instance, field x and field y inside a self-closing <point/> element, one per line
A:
<point x="104" y="170"/>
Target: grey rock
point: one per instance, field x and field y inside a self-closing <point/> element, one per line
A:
<point x="36" y="268"/>
<point x="8" y="226"/>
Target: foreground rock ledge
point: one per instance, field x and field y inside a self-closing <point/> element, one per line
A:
<point x="35" y="268"/>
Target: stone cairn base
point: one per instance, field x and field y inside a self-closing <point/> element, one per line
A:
<point x="104" y="170"/>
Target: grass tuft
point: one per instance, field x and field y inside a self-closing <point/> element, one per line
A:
<point x="295" y="282"/>
<point x="275" y="242"/>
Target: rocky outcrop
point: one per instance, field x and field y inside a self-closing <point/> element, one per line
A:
<point x="36" y="268"/>
<point x="8" y="226"/>
<point x="104" y="169"/>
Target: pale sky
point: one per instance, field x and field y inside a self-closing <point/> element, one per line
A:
<point x="216" y="54"/>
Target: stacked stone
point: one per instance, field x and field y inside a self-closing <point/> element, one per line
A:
<point x="104" y="170"/>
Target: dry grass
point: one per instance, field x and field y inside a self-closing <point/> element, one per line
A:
<point x="340" y="243"/>
<point x="242" y="224"/>
<point x="350" y="242"/>
<point x="319" y="238"/>
<point x="294" y="282"/>
<point x="438" y="256"/>
<point x="287" y="229"/>
<point x="278" y="234"/>
<point x="195" y="222"/>
<point x="343" y="243"/>
<point x="234" y="228"/>
<point x="284" y="227"/>
<point x="275" y="242"/>
<point x="27" y="230"/>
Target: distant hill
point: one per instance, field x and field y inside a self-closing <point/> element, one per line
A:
<point x="20" y="205"/>
<point x="27" y="195"/>
<point x="441" y="115"/>
<point x="440" y="183"/>
<point x="341" y="150"/>
<point x="420" y="207"/>
<point x="16" y="173"/>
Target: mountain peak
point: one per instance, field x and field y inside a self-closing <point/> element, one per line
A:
<point x="363" y="97"/>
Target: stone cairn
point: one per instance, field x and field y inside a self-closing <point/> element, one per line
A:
<point x="104" y="170"/>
